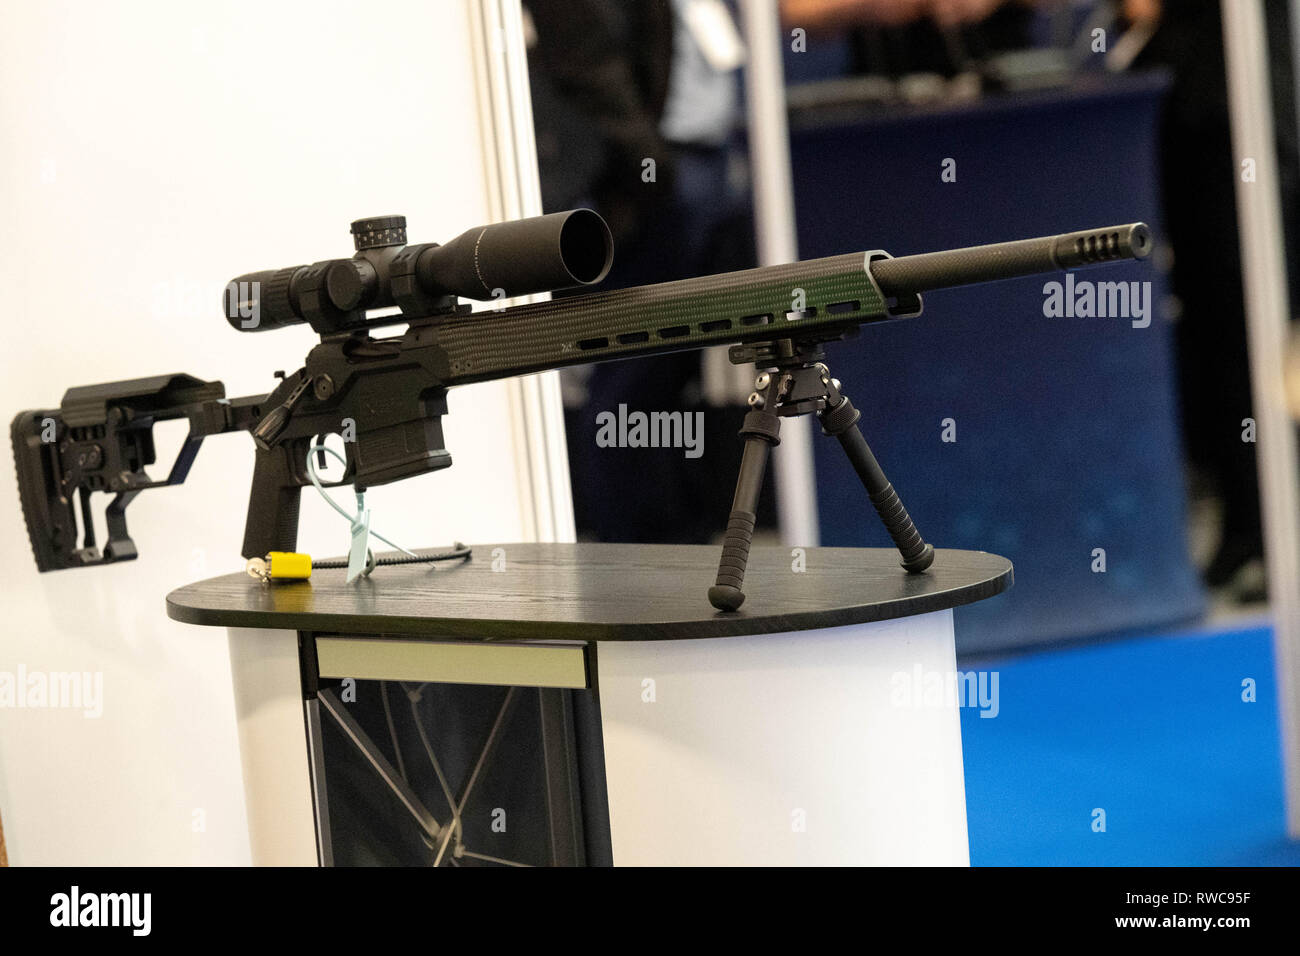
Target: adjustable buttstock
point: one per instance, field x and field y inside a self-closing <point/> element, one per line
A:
<point x="49" y="514"/>
<point x="53" y="467"/>
<point x="100" y="439"/>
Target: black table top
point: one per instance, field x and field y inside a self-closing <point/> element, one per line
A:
<point x="598" y="592"/>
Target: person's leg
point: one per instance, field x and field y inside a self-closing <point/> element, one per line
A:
<point x="1213" y="356"/>
<point x="652" y="494"/>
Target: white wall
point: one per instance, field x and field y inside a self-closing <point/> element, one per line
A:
<point x="150" y="151"/>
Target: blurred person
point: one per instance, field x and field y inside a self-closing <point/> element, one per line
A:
<point x="599" y="72"/>
<point x="837" y="14"/>
<point x="1198" y="174"/>
<point x="899" y="37"/>
<point x="1199" y="170"/>
<point x="617" y="83"/>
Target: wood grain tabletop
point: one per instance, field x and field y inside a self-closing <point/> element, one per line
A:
<point x="597" y="592"/>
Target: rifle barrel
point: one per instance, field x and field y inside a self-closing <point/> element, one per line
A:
<point x="1005" y="260"/>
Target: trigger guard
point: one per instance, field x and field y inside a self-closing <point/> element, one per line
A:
<point x="348" y="478"/>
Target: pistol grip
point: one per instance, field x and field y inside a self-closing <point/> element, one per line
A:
<point x="272" y="523"/>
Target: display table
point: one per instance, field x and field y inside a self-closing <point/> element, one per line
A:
<point x="799" y="730"/>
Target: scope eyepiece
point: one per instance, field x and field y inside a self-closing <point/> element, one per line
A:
<point x="259" y="301"/>
<point x="498" y="261"/>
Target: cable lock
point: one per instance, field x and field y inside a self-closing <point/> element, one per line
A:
<point x="294" y="566"/>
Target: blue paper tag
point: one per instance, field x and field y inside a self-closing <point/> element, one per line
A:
<point x="359" y="553"/>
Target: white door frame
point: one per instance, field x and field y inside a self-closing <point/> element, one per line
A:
<point x="774" y="227"/>
<point x="1263" y="274"/>
<point x="514" y="192"/>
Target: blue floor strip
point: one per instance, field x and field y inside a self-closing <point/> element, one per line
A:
<point x="1151" y="730"/>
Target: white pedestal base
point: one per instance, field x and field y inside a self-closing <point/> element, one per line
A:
<point x="806" y="748"/>
<point x="273" y="746"/>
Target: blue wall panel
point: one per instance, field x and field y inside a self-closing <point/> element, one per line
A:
<point x="1067" y="428"/>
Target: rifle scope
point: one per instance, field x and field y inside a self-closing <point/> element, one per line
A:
<point x="504" y="260"/>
